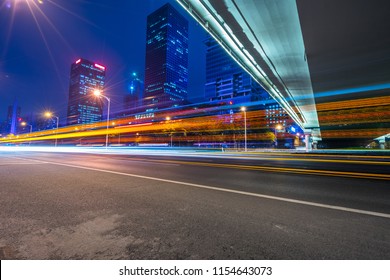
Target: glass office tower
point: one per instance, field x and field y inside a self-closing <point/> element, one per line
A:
<point x="83" y="106"/>
<point x="166" y="65"/>
<point x="134" y="96"/>
<point x="225" y="79"/>
<point x="14" y="114"/>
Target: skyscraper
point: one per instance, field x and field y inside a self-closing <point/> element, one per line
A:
<point x="135" y="92"/>
<point x="225" y="79"/>
<point x="13" y="116"/>
<point x="85" y="77"/>
<point x="166" y="65"/>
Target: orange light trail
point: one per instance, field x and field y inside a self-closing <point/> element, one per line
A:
<point x="336" y="117"/>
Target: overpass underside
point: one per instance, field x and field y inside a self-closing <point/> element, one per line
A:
<point x="265" y="38"/>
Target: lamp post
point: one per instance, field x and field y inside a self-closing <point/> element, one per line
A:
<point x="168" y="119"/>
<point x="26" y="124"/>
<point x="278" y="126"/>
<point x="50" y="116"/>
<point x="243" y="109"/>
<point x="30" y="125"/>
<point x="98" y="93"/>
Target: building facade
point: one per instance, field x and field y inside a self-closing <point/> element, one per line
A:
<point x="166" y="63"/>
<point x="225" y="79"/>
<point x="228" y="82"/>
<point x="276" y="116"/>
<point x="83" y="106"/>
<point x="135" y="94"/>
<point x="13" y="119"/>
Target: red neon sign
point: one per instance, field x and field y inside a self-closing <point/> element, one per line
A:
<point x="99" y="66"/>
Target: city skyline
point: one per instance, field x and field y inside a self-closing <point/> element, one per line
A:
<point x="31" y="75"/>
<point x="198" y="138"/>
<point x="18" y="70"/>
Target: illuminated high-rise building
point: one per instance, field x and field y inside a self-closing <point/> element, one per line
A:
<point x="134" y="96"/>
<point x="225" y="79"/>
<point x="85" y="77"/>
<point x="13" y="118"/>
<point x="166" y="65"/>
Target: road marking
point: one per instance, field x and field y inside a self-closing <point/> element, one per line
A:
<point x="155" y="162"/>
<point x="293" y="159"/>
<point x="326" y="160"/>
<point x="288" y="159"/>
<point x="34" y="160"/>
<point x="12" y="161"/>
<point x="329" y="173"/>
<point x="295" y="201"/>
<point x="320" y="155"/>
<point x="20" y="163"/>
<point x="347" y="174"/>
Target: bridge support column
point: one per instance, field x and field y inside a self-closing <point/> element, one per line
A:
<point x="382" y="144"/>
<point x="307" y="140"/>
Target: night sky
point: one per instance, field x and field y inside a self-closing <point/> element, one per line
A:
<point x="38" y="45"/>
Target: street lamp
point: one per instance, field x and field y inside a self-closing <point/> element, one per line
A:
<point x="168" y="119"/>
<point x="98" y="93"/>
<point x="243" y="109"/>
<point x="278" y="127"/>
<point x="50" y="115"/>
<point x="30" y="125"/>
<point x="26" y="124"/>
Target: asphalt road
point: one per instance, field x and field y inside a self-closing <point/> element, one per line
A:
<point x="193" y="206"/>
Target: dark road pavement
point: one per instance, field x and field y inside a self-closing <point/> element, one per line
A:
<point x="193" y="206"/>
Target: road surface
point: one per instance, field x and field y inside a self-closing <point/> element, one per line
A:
<point x="135" y="205"/>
